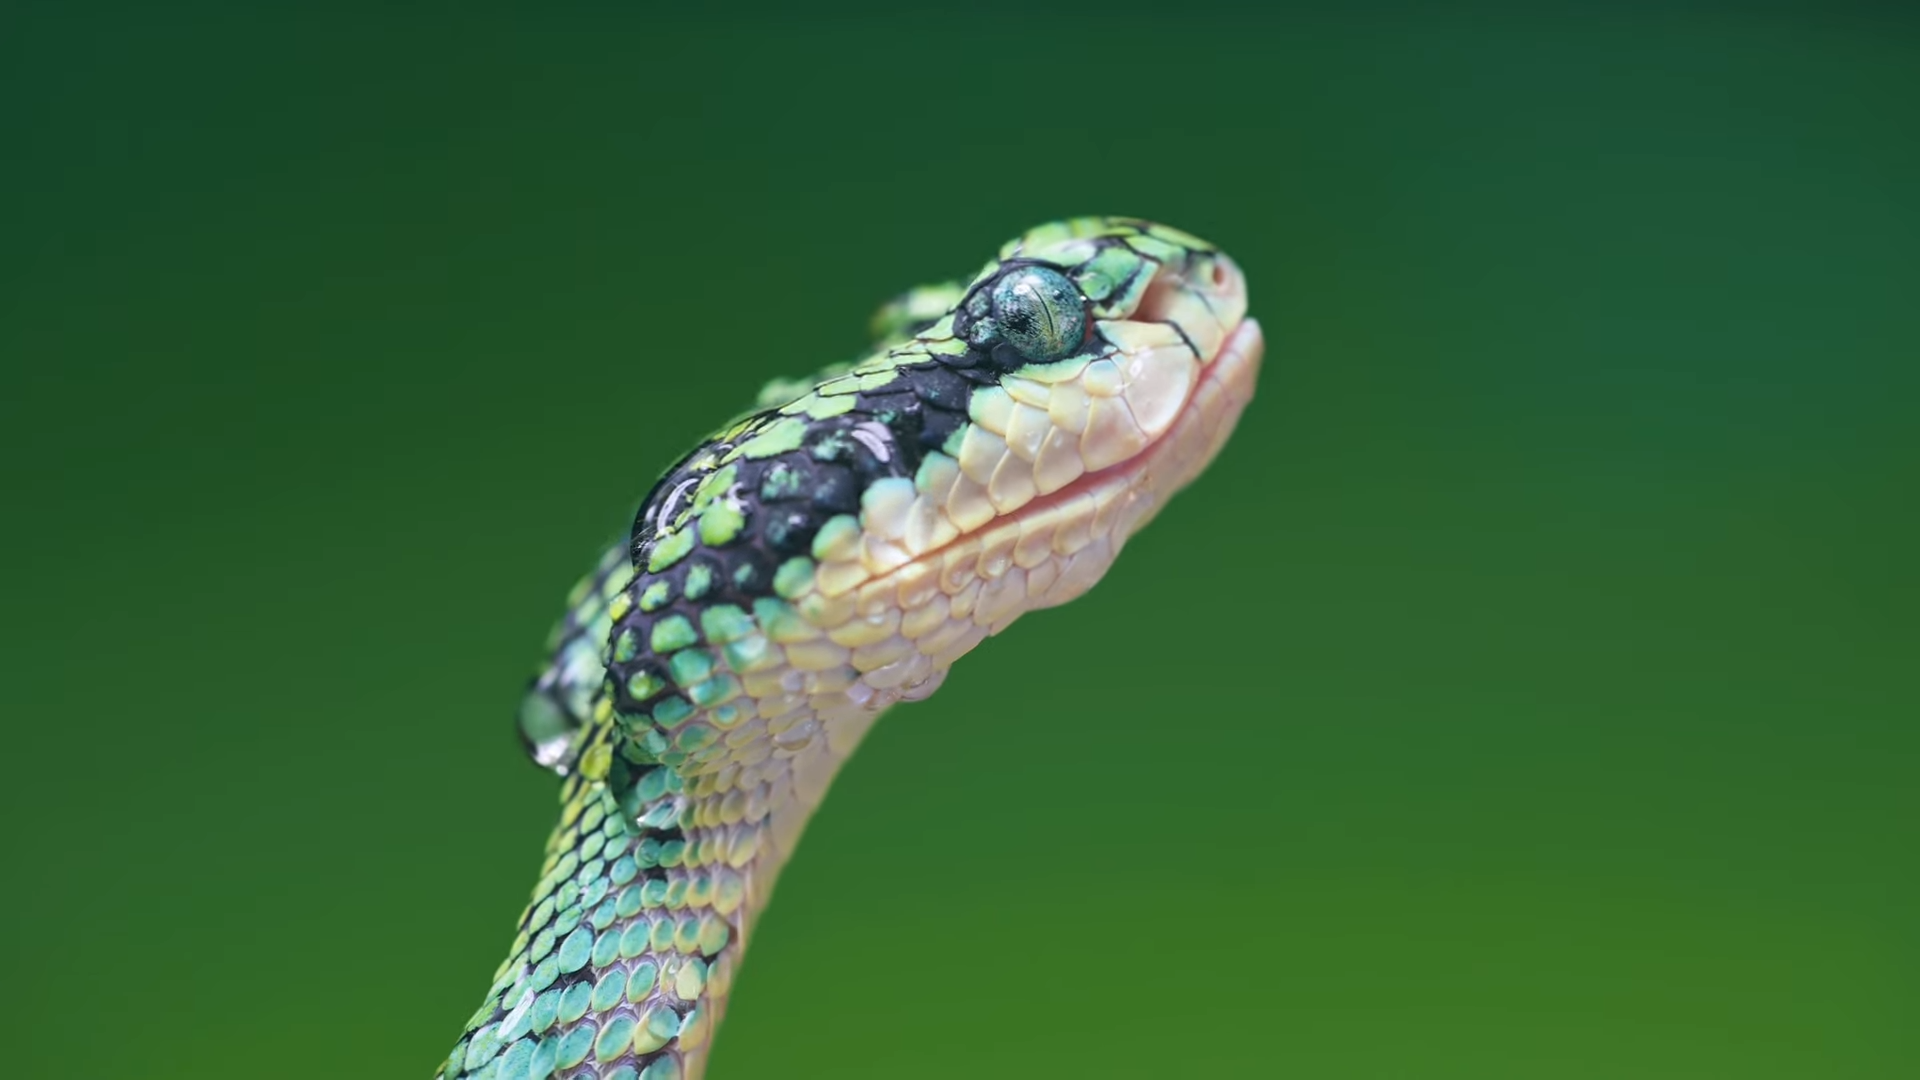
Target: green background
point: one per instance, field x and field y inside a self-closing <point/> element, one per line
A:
<point x="1528" y="692"/>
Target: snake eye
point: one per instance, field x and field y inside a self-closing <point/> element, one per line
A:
<point x="1033" y="309"/>
<point x="1040" y="312"/>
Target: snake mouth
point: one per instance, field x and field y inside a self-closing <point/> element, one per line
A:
<point x="1134" y="489"/>
<point x="1185" y="396"/>
<point x="1136" y="422"/>
<point x="1060" y="543"/>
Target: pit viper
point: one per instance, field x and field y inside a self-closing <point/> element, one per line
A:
<point x="828" y="555"/>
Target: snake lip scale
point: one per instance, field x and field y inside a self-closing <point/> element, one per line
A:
<point x="827" y="555"/>
<point x="1230" y="376"/>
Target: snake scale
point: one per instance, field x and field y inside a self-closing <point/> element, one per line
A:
<point x="826" y="556"/>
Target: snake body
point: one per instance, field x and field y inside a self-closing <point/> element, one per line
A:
<point x="826" y="556"/>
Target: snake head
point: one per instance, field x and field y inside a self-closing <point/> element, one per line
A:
<point x="1081" y="377"/>
<point x="837" y="550"/>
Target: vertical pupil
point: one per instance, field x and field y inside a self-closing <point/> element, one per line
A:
<point x="1040" y="312"/>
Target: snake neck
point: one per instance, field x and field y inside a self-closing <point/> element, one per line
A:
<point x="648" y="894"/>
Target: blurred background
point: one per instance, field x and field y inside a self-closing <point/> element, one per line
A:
<point x="1528" y="692"/>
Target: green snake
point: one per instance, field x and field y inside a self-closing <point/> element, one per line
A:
<point x="824" y="557"/>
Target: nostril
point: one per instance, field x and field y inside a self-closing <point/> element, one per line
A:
<point x="1218" y="275"/>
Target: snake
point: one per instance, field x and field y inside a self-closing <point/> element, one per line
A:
<point x="827" y="555"/>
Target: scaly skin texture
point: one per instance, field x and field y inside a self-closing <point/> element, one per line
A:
<point x="825" y="557"/>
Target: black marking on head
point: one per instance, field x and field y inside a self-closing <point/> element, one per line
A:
<point x="786" y="499"/>
<point x="1178" y="329"/>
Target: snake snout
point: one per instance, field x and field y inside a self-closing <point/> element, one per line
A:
<point x="1203" y="296"/>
